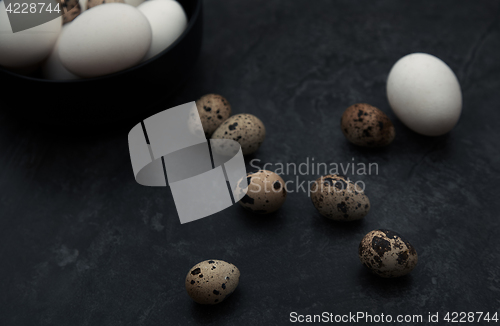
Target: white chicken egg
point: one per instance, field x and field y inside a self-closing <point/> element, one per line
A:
<point x="168" y="21"/>
<point x="105" y="39"/>
<point x="28" y="47"/>
<point x="53" y="68"/>
<point x="424" y="93"/>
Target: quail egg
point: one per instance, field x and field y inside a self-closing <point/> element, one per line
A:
<point x="338" y="198"/>
<point x="213" y="110"/>
<point x="387" y="254"/>
<point x="246" y="129"/>
<point x="266" y="192"/>
<point x="211" y="281"/>
<point x="71" y="9"/>
<point x="365" y="125"/>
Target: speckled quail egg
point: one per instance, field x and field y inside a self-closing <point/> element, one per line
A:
<point x="94" y="3"/>
<point x="387" y="254"/>
<point x="338" y="198"/>
<point x="71" y="9"/>
<point x="213" y="110"/>
<point x="365" y="125"/>
<point x="246" y="129"/>
<point x="211" y="281"/>
<point x="266" y="192"/>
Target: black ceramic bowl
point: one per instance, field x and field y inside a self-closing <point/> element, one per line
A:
<point x="119" y="96"/>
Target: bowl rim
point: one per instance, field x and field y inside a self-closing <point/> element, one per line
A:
<point x="194" y="18"/>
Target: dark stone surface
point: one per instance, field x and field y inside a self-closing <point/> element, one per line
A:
<point x="82" y="244"/>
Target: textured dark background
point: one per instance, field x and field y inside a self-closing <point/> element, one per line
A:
<point x="82" y="244"/>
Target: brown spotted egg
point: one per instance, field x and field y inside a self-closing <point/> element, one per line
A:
<point x="365" y="125"/>
<point x="213" y="110"/>
<point x="246" y="129"/>
<point x="211" y="281"/>
<point x="387" y="254"/>
<point x="338" y="198"/>
<point x="93" y="3"/>
<point x="266" y="192"/>
<point x="71" y="9"/>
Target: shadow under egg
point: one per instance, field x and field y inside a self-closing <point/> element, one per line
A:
<point x="386" y="287"/>
<point x="215" y="313"/>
